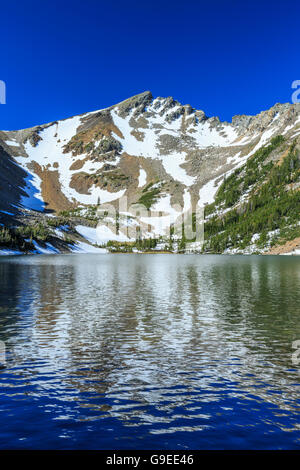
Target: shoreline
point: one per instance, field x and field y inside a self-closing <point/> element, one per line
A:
<point x="10" y="253"/>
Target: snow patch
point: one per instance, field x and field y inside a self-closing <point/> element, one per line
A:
<point x="7" y="252"/>
<point x="142" y="178"/>
<point x="100" y="235"/>
<point x="208" y="191"/>
<point x="6" y="212"/>
<point x="81" y="247"/>
<point x="11" y="142"/>
<point x="33" y="200"/>
<point x="49" y="250"/>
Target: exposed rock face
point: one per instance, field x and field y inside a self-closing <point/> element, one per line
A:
<point x="34" y="138"/>
<point x="111" y="153"/>
<point x="137" y="104"/>
<point x="12" y="184"/>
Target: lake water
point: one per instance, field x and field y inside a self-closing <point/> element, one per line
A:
<point x="149" y="352"/>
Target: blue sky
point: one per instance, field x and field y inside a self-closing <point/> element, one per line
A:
<point x="69" y="57"/>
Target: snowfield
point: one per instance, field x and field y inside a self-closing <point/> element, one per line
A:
<point x="100" y="235"/>
<point x="49" y="151"/>
<point x="148" y="147"/>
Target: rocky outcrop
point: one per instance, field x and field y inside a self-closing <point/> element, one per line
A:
<point x="137" y="104"/>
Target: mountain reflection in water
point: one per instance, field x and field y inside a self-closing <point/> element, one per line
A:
<point x="149" y="351"/>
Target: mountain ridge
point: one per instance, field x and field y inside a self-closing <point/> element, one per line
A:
<point x="276" y="106"/>
<point x="148" y="150"/>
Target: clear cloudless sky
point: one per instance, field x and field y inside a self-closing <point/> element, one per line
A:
<point x="226" y="57"/>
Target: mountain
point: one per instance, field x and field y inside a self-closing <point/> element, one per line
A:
<point x="132" y="168"/>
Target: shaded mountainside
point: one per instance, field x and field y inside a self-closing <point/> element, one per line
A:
<point x="57" y="180"/>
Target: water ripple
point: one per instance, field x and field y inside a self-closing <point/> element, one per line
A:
<point x="124" y="351"/>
